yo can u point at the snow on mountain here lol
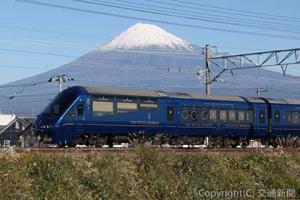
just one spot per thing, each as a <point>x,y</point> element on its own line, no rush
<point>146,36</point>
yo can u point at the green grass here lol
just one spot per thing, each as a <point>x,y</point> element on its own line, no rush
<point>145,174</point>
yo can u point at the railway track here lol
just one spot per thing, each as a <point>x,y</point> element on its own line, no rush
<point>160,150</point>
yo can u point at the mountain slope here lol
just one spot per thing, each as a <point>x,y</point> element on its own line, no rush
<point>144,65</point>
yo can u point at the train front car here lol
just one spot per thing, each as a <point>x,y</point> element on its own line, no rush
<point>47,125</point>
<point>99,116</point>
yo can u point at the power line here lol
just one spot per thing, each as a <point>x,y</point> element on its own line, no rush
<point>206,15</point>
<point>47,31</point>
<point>85,59</point>
<point>159,21</point>
<point>189,17</point>
<point>121,66</point>
<point>198,6</point>
<point>36,52</point>
<point>23,84</point>
<point>241,12</point>
<point>45,43</point>
<point>23,67</point>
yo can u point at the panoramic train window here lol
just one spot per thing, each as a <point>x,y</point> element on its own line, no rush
<point>231,116</point>
<point>147,104</point>
<point>204,115</point>
<point>223,115</point>
<point>262,117</point>
<point>103,107</point>
<point>277,117</point>
<point>72,112</point>
<point>213,115</point>
<point>126,105</point>
<point>60,103</point>
<point>194,115</point>
<point>185,114</point>
<point>241,115</point>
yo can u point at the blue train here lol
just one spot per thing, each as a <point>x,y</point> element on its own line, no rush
<point>98,116</point>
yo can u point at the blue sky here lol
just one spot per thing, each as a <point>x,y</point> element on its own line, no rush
<point>28,27</point>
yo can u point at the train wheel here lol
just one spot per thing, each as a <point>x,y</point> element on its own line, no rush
<point>244,141</point>
<point>110,141</point>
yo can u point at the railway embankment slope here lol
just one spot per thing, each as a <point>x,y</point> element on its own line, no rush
<point>147,174</point>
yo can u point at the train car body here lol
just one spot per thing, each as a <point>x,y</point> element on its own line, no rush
<point>92,111</point>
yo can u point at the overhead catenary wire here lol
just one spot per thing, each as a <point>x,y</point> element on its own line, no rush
<point>239,11</point>
<point>82,59</point>
<point>160,21</point>
<point>213,15</point>
<point>46,43</point>
<point>13,67</point>
<point>189,17</point>
<point>23,84</point>
<point>47,31</point>
<point>227,11</point>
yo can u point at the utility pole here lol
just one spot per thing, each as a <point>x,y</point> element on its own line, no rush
<point>60,79</point>
<point>207,69</point>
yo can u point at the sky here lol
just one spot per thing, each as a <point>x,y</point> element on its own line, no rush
<point>31,34</point>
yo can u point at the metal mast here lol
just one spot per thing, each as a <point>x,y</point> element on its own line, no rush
<point>207,69</point>
<point>282,58</point>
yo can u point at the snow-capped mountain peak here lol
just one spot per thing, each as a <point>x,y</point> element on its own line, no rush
<point>146,36</point>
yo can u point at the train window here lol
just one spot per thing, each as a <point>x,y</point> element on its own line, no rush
<point>60,103</point>
<point>223,115</point>
<point>213,115</point>
<point>147,104</point>
<point>204,115</point>
<point>123,107</point>
<point>170,113</point>
<point>194,115</point>
<point>71,112</point>
<point>231,116</point>
<point>295,118</point>
<point>241,115</point>
<point>277,117</point>
<point>262,117</point>
<point>249,116</point>
<point>80,109</point>
<point>185,114</point>
<point>126,105</point>
<point>102,108</point>
<point>56,109</point>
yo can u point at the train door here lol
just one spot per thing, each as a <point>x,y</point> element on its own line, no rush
<point>264,119</point>
<point>170,113</point>
<point>79,123</point>
<point>171,118</point>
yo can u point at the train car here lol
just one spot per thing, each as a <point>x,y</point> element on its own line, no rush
<point>98,116</point>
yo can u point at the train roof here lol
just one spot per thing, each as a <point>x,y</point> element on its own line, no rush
<point>157,94</point>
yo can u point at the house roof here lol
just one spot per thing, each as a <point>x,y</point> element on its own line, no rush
<point>6,119</point>
<point>25,123</point>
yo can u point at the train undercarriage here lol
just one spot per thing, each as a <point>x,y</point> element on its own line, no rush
<point>163,140</point>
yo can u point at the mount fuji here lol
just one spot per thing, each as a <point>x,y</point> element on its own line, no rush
<point>147,36</point>
<point>143,57</point>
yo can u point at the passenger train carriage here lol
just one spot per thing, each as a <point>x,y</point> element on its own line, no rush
<point>98,116</point>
